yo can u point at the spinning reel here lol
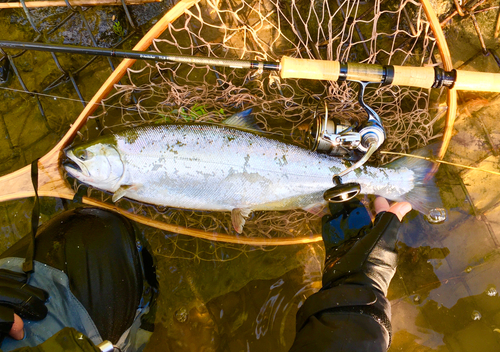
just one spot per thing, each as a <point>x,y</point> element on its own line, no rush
<point>333,138</point>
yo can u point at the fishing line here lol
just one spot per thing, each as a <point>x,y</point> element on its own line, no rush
<point>441,162</point>
<point>70,99</point>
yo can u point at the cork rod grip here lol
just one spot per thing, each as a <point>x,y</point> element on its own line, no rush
<point>309,69</point>
<point>330,70</point>
<point>419,77</point>
<point>477,81</point>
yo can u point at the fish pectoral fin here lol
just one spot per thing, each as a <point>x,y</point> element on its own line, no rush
<point>238,218</point>
<point>122,192</point>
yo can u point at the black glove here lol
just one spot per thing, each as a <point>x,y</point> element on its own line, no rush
<point>16,296</point>
<point>367,256</point>
<point>351,312</point>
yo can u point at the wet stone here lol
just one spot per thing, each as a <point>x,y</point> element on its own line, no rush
<point>482,186</point>
<point>181,315</point>
<point>492,292</point>
<point>476,315</point>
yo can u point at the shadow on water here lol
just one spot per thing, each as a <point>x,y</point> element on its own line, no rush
<point>247,303</point>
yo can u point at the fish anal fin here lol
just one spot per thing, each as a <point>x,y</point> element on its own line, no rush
<point>122,192</point>
<point>238,218</point>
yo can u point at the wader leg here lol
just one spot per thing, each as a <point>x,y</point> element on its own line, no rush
<point>344,318</point>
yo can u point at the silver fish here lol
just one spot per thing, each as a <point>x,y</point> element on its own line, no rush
<point>223,168</point>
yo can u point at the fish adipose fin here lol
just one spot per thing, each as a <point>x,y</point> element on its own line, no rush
<point>425,195</point>
<point>238,218</point>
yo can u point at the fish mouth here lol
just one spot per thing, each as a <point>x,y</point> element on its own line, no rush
<point>73,166</point>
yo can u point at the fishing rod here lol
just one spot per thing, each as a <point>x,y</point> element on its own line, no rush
<point>288,67</point>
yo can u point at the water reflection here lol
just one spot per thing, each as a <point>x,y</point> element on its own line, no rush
<point>261,316</point>
<point>444,295</point>
<point>417,266</point>
<point>248,303</point>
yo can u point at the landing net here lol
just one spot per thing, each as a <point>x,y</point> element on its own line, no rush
<point>380,32</point>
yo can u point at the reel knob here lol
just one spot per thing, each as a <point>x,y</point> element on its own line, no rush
<point>342,192</point>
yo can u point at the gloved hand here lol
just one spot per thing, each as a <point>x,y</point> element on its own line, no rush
<point>368,254</point>
<point>351,311</point>
<point>17,297</point>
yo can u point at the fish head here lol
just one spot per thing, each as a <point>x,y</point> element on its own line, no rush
<point>97,164</point>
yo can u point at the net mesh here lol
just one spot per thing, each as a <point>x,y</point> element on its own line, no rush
<point>384,33</point>
<point>381,32</point>
<point>42,92</point>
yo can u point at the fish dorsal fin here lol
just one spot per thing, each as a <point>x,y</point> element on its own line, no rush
<point>243,120</point>
<point>238,218</point>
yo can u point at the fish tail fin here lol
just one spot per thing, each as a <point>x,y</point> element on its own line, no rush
<point>425,194</point>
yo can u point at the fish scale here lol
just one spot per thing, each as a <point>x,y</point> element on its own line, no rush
<point>219,167</point>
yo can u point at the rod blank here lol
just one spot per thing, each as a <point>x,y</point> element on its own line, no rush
<point>422,77</point>
<point>61,3</point>
<point>139,55</point>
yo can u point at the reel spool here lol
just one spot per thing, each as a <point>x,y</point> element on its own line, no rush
<point>331,137</point>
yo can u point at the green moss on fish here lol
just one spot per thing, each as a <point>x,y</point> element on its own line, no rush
<point>131,135</point>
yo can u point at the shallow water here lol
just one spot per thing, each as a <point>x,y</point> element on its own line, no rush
<point>444,294</point>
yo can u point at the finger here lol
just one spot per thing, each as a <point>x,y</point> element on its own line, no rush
<point>400,209</point>
<point>17,330</point>
<point>380,204</point>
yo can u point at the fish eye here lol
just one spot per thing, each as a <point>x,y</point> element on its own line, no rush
<point>83,154</point>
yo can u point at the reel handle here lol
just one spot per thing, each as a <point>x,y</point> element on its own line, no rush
<point>341,192</point>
